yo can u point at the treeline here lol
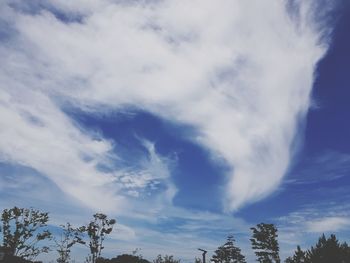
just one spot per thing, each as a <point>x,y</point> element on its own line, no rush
<point>264,242</point>
<point>24,231</point>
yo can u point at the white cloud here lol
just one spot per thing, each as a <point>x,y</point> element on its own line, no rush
<point>50,144</point>
<point>154,172</point>
<point>35,133</point>
<point>240,72</point>
<point>328,224</point>
<point>303,227</point>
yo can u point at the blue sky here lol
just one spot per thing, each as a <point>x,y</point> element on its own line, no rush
<point>184,130</point>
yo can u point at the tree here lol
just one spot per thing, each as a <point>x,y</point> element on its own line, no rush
<point>22,230</point>
<point>68,238</point>
<point>264,242</point>
<point>166,259</point>
<point>328,250</point>
<point>97,230</point>
<point>298,257</point>
<point>228,253</point>
<point>125,258</point>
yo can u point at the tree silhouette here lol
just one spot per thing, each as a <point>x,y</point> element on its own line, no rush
<point>68,238</point>
<point>166,259</point>
<point>22,230</point>
<point>228,253</point>
<point>125,258</point>
<point>328,250</point>
<point>97,230</point>
<point>264,242</point>
<point>298,257</point>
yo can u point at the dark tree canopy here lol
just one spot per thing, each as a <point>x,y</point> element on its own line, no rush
<point>22,230</point>
<point>13,259</point>
<point>125,258</point>
<point>298,257</point>
<point>265,244</point>
<point>328,250</point>
<point>228,253</point>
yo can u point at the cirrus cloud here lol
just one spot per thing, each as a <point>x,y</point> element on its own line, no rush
<point>239,72</point>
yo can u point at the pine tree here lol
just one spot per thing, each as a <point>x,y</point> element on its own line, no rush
<point>329,250</point>
<point>298,257</point>
<point>228,253</point>
<point>264,242</point>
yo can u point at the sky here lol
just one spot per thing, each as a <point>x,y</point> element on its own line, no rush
<point>186,121</point>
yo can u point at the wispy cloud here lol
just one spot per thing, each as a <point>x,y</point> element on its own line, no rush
<point>328,224</point>
<point>324,167</point>
<point>242,81</point>
<point>303,227</point>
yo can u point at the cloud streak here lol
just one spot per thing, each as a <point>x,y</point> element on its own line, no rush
<point>241,80</point>
<point>328,224</point>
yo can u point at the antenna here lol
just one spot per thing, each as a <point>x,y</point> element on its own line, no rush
<point>203,254</point>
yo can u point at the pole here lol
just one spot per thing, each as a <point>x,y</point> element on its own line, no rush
<point>203,254</point>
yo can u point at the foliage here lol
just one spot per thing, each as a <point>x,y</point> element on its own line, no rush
<point>228,253</point>
<point>97,230</point>
<point>298,257</point>
<point>264,242</point>
<point>328,250</point>
<point>15,259</point>
<point>68,238</point>
<point>22,230</point>
<point>125,258</point>
<point>166,259</point>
